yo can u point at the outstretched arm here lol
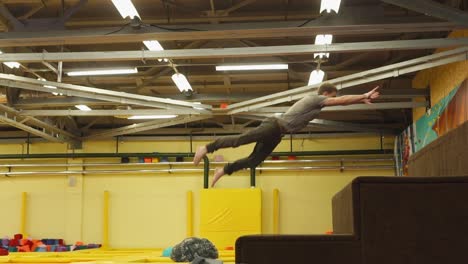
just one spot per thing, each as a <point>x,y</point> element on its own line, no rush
<point>352,99</point>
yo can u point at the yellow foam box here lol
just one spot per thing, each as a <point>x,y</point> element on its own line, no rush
<point>226,214</point>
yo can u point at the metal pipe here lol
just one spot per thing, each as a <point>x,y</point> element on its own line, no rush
<point>117,144</point>
<point>314,161</point>
<point>68,172</point>
<point>206,171</point>
<point>381,140</point>
<point>92,164</point>
<point>191,143</point>
<point>92,155</point>
<point>28,142</point>
<point>374,167</point>
<point>290,142</point>
<point>189,163</point>
<point>252,177</point>
<point>323,153</point>
<point>110,155</point>
<point>334,152</point>
<point>206,167</point>
<point>115,172</point>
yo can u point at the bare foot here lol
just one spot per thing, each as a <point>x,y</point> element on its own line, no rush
<point>199,154</point>
<point>219,172</point>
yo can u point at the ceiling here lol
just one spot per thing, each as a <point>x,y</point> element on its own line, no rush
<point>374,43</point>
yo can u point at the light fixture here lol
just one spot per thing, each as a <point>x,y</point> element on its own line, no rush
<point>103,72</point>
<point>48,86</point>
<point>126,8</point>
<point>12,64</point>
<point>316,76</point>
<point>153,45</point>
<point>330,5</point>
<point>323,40</point>
<point>181,82</point>
<point>252,67</point>
<point>152,116</point>
<point>83,107</point>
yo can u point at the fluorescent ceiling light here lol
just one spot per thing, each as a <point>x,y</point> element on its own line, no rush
<point>12,64</point>
<point>329,5</point>
<point>316,76</point>
<point>126,8</point>
<point>103,72</point>
<point>152,116</point>
<point>181,82</point>
<point>48,86</point>
<point>83,107</point>
<point>252,67</point>
<point>153,45</point>
<point>323,40</point>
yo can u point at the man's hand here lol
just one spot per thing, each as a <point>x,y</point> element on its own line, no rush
<point>372,94</point>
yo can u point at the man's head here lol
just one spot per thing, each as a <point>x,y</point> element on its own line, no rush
<point>327,89</point>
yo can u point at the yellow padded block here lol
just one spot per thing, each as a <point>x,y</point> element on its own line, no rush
<point>226,214</point>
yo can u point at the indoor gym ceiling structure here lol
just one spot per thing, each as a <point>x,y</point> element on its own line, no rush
<point>48,44</point>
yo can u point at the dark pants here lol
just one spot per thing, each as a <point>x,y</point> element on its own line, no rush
<point>267,136</point>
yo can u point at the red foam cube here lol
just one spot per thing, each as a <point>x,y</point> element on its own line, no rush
<point>3,252</point>
<point>13,243</point>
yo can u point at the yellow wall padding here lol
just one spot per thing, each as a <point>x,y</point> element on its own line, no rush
<point>226,214</point>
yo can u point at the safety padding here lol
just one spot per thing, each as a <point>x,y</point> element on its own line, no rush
<point>226,214</point>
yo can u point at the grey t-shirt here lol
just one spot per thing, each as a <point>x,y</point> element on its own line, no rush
<point>301,113</point>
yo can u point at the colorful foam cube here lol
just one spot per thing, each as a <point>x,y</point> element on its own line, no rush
<point>13,243</point>
<point>3,251</point>
<point>24,249</point>
<point>12,249</point>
